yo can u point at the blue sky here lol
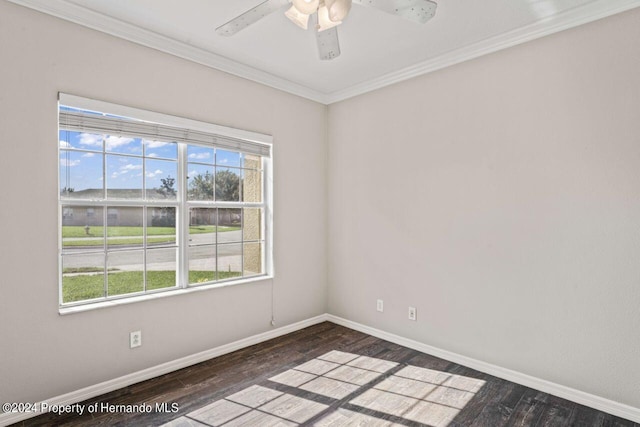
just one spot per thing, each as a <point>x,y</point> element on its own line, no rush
<point>81,161</point>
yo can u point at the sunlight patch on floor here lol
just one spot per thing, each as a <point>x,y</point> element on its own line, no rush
<point>374,392</point>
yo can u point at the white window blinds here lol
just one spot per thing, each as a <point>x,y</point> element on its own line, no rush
<point>83,121</point>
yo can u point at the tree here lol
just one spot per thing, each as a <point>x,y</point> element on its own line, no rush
<point>227,186</point>
<point>165,216</point>
<point>167,186</point>
<point>201,187</point>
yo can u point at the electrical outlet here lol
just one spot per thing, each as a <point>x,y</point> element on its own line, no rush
<point>135,339</point>
<point>413,313</point>
<point>380,305</point>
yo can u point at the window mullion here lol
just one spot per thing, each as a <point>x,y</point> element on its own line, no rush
<point>182,219</point>
<point>144,218</point>
<point>144,245</point>
<point>242,242</point>
<point>267,224</point>
<point>105,273</point>
<point>217,275</point>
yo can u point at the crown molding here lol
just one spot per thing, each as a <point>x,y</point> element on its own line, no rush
<point>562,21</point>
<point>106,24</point>
<point>556,23</point>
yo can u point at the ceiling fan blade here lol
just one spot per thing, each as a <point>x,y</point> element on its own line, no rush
<point>250,17</point>
<point>419,11</point>
<point>328,44</point>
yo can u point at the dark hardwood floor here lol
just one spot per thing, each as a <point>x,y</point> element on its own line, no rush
<point>328,375</point>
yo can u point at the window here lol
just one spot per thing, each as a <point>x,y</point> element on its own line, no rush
<point>154,203</point>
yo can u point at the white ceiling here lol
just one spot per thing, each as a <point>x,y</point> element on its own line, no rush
<point>378,49</point>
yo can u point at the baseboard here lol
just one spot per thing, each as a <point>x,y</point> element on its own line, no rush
<point>593,401</point>
<point>609,406</point>
<point>165,368</point>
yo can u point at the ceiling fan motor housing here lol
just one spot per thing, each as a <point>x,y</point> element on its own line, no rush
<point>306,6</point>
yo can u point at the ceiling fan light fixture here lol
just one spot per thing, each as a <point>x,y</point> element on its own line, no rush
<point>329,14</point>
<point>338,9</point>
<point>306,7</point>
<point>300,19</point>
<point>324,23</point>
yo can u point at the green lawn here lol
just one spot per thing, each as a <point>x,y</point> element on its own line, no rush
<point>98,231</point>
<point>199,229</point>
<point>121,241</point>
<point>91,286</point>
<point>130,235</point>
<point>85,270</point>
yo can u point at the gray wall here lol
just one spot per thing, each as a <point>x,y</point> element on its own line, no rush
<point>501,197</point>
<point>43,354</point>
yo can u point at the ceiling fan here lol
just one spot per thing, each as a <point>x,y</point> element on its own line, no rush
<point>326,15</point>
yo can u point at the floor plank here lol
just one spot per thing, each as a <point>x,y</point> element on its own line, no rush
<point>328,376</point>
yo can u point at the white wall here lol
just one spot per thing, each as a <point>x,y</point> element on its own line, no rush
<point>43,354</point>
<point>501,197</point>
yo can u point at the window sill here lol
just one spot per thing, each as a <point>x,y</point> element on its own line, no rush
<point>65,310</point>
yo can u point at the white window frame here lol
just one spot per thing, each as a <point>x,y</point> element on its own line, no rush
<point>237,137</point>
